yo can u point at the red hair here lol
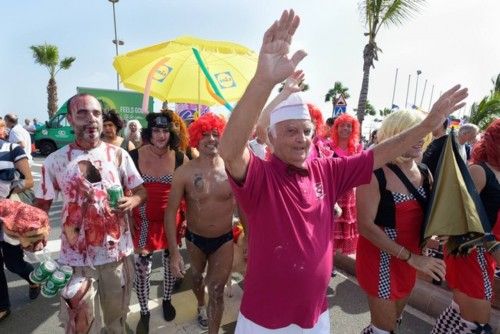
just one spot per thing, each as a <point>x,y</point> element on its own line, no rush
<point>353,142</point>
<point>183,134</point>
<point>317,119</point>
<point>206,123</point>
<point>488,148</point>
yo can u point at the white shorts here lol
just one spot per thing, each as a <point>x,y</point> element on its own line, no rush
<point>245,326</point>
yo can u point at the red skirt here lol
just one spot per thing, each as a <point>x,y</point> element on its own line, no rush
<point>345,233</point>
<point>382,275</point>
<point>149,231</point>
<point>471,274</point>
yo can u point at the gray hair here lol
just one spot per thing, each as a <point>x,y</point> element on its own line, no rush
<point>468,128</point>
<point>126,130</point>
<point>271,130</point>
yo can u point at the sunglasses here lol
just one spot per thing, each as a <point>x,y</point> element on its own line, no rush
<point>160,122</point>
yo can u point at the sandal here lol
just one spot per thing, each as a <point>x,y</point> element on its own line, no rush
<point>4,314</point>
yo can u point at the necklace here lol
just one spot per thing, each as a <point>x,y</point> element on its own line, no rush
<point>159,155</point>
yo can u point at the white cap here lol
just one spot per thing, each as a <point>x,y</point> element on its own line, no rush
<point>292,108</point>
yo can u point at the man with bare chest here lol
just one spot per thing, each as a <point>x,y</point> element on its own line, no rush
<point>204,185</point>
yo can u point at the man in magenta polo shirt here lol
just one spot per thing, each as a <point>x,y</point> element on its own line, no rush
<point>288,200</point>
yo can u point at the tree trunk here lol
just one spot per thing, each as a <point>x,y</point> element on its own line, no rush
<point>368,54</point>
<point>52,97</point>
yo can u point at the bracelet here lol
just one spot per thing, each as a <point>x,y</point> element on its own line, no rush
<point>409,257</point>
<point>399,253</point>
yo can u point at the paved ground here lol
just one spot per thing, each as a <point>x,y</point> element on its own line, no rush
<point>348,307</point>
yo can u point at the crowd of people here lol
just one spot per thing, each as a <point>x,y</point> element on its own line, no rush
<point>303,188</point>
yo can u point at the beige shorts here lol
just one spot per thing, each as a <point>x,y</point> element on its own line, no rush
<point>112,284</point>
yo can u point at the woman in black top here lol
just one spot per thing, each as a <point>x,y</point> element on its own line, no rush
<point>471,277</point>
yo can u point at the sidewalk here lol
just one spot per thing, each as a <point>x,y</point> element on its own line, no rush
<point>426,297</point>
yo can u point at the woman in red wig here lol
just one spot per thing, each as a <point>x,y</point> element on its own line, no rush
<point>321,143</point>
<point>345,142</point>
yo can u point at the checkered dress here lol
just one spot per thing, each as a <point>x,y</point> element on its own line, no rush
<point>381,274</point>
<point>149,228</point>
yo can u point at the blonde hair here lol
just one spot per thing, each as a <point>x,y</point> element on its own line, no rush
<point>398,122</point>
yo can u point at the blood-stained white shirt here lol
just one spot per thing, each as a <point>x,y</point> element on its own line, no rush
<point>92,233</point>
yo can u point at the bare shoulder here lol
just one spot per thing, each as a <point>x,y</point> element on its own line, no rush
<point>370,188</point>
<point>184,171</point>
<point>478,175</point>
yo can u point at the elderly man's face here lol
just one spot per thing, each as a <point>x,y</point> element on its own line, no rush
<point>468,137</point>
<point>292,141</point>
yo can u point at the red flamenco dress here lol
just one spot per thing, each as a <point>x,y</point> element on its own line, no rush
<point>149,230</point>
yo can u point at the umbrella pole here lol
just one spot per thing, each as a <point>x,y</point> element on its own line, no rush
<point>147,87</point>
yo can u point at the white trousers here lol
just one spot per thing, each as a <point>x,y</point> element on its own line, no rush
<point>246,326</point>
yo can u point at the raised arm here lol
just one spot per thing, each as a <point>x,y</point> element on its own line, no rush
<point>397,145</point>
<point>273,67</point>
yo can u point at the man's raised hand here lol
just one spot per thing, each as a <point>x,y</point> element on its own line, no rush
<point>274,65</point>
<point>449,102</point>
<point>293,84</point>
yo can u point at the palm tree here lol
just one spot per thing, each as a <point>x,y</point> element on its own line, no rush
<point>385,111</point>
<point>496,86</point>
<point>377,13</point>
<point>335,92</point>
<point>488,109</point>
<point>370,109</point>
<point>484,112</point>
<point>48,55</point>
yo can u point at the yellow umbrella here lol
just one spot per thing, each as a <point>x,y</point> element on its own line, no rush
<point>189,70</point>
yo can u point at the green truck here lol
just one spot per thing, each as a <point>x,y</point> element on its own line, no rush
<point>57,132</point>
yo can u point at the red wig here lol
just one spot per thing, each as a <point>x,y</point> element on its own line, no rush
<point>488,148</point>
<point>353,142</point>
<point>183,133</point>
<point>206,123</point>
<point>317,119</point>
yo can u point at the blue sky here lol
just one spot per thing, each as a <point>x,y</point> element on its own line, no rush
<point>450,41</point>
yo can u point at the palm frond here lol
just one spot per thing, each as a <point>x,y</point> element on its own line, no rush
<point>396,12</point>
<point>483,113</point>
<point>496,85</point>
<point>45,54</point>
<point>66,63</point>
<point>338,89</point>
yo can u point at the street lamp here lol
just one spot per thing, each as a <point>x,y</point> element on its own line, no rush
<point>416,88</point>
<point>116,41</point>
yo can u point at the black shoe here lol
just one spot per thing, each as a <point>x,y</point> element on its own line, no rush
<point>34,291</point>
<point>143,325</point>
<point>168,310</point>
<point>4,314</point>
